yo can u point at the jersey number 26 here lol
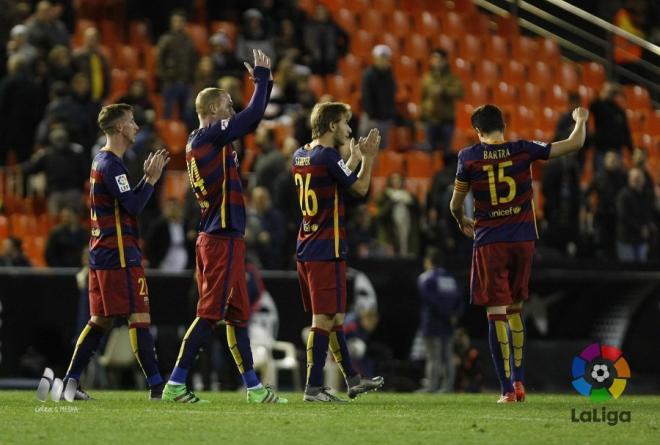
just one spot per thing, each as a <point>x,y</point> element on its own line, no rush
<point>308,202</point>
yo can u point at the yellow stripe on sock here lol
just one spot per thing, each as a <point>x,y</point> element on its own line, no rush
<point>233,347</point>
<point>336,352</point>
<point>503,339</point>
<point>517,337</point>
<point>185,339</point>
<point>310,355</point>
<point>81,339</point>
<point>132,336</point>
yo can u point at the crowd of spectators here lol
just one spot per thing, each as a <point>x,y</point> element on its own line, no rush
<point>51,91</point>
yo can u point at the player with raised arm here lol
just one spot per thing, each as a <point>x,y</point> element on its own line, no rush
<point>220,248</point>
<point>504,231</point>
<point>322,175</point>
<point>117,285</point>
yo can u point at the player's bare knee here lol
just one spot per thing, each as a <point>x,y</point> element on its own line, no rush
<point>496,310</point>
<point>103,322</point>
<point>323,321</point>
<point>339,319</point>
<point>142,317</point>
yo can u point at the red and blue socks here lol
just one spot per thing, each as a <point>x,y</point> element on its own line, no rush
<point>317,351</point>
<point>339,351</point>
<point>88,341</point>
<point>197,335</point>
<point>517,329</point>
<point>498,338</point>
<point>239,345</point>
<point>143,347</point>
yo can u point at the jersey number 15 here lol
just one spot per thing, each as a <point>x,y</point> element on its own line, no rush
<point>309,204</point>
<point>501,177</point>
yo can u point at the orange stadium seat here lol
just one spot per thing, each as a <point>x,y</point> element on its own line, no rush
<point>507,27</point>
<point>427,24</point>
<point>317,85</point>
<point>111,34</point>
<point>593,74</point>
<point>174,134</point>
<point>358,6</point>
<point>418,164</point>
<point>470,48</point>
<point>504,94</point>
<point>385,6</point>
<point>388,162</point>
<point>392,41</point>
<point>524,49</point>
<point>406,69</point>
<point>400,23</point>
<point>497,49</point>
<point>339,87</point>
<point>587,95</point>
<point>4,227</point>
<point>478,24</point>
<point>401,138</point>
<point>463,6</point>
<point>199,36</point>
<point>351,67</point>
<point>463,114</point>
<point>362,42</point>
<point>443,41</point>
<point>476,93</point>
<point>345,18</point>
<point>653,123</point>
<point>546,119</point>
<point>119,82</point>
<point>549,51</point>
<point>514,72</point>
<point>636,120</point>
<point>138,34</point>
<point>540,73</point>
<point>567,76</point>
<point>416,47</point>
<point>486,72</point>
<point>452,24</point>
<point>522,121</point>
<point>556,97</point>
<point>148,77</point>
<point>463,69</point>
<point>637,97</point>
<point>372,21</point>
<point>127,58</point>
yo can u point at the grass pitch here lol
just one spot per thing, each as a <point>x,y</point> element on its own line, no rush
<point>380,418</point>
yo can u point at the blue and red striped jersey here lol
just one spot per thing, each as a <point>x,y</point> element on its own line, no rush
<point>114,208</point>
<point>500,177</point>
<point>213,166</point>
<point>321,177</point>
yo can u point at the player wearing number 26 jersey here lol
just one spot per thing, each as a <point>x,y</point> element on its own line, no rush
<point>504,229</point>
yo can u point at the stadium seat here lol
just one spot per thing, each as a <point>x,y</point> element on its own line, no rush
<point>504,94</point>
<point>119,82</point>
<point>513,72</point>
<point>445,42</point>
<point>4,227</point>
<point>317,85</point>
<point>127,58</point>
<point>546,119</point>
<point>400,23</point>
<point>549,51</point>
<point>497,49</point>
<point>522,121</point>
<point>476,93</point>
<point>372,21</point>
<point>406,69</point>
<point>470,48</point>
<point>199,36</point>
<point>418,164</point>
<point>339,87</point>
<point>486,72</point>
<point>567,76</point>
<point>463,115</point>
<point>507,27</point>
<point>416,47</point>
<point>637,97</point>
<point>358,6</point>
<point>351,67</point>
<point>540,74</point>
<point>392,41</point>
<point>427,24</point>
<point>463,69</point>
<point>111,34</point>
<point>148,77</point>
<point>385,6</point>
<point>556,97</point>
<point>174,134</point>
<point>653,123</point>
<point>593,75</point>
<point>362,42</point>
<point>636,119</point>
<point>345,18</point>
<point>477,24</point>
<point>401,138</point>
<point>138,34</point>
<point>463,6</point>
<point>524,50</point>
<point>452,25</point>
<point>587,95</point>
<point>388,162</point>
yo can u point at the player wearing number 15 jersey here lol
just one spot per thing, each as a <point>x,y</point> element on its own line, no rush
<point>322,175</point>
<point>220,247</point>
<point>504,230</point>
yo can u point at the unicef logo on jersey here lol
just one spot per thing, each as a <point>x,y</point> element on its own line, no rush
<point>511,211</point>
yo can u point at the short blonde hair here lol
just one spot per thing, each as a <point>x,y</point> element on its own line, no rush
<point>326,113</point>
<point>110,114</point>
<point>205,98</point>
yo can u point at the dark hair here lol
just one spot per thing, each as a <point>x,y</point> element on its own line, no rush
<point>440,51</point>
<point>435,256</point>
<point>110,114</point>
<point>487,118</point>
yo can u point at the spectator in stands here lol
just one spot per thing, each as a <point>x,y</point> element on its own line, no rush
<point>611,131</point>
<point>635,228</point>
<point>287,42</point>
<point>81,95</point>
<point>63,110</point>
<point>45,30</point>
<point>222,54</point>
<point>565,124</point>
<point>441,307</point>
<point>440,90</point>
<point>638,160</point>
<point>398,217</point>
<point>325,42</point>
<point>469,376</point>
<point>378,95</point>
<point>254,35</point>
<point>165,243</point>
<point>90,61</point>
<point>66,167</point>
<point>270,162</point>
<point>265,229</point>
<point>66,240</point>
<point>12,253</point>
<point>362,234</point>
<point>60,65</point>
<point>204,77</point>
<point>607,184</point>
<point>359,325</point>
<point>20,108</point>
<point>630,17</point>
<point>138,97</point>
<point>283,189</point>
<point>19,44</point>
<point>177,58</point>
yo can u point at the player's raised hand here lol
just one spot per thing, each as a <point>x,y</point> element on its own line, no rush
<point>467,227</point>
<point>371,143</point>
<point>154,165</point>
<point>260,59</point>
<point>355,148</point>
<point>580,114</point>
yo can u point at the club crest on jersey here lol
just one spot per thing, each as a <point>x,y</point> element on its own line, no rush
<point>224,123</point>
<point>122,183</point>
<point>344,167</point>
